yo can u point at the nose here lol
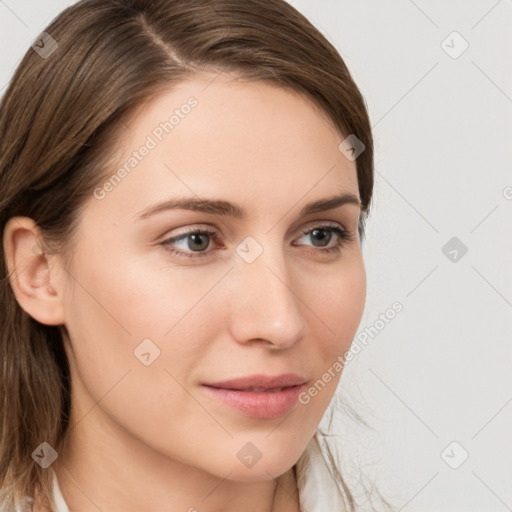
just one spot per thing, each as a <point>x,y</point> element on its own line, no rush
<point>265,307</point>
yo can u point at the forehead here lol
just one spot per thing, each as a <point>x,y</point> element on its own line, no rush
<point>218,135</point>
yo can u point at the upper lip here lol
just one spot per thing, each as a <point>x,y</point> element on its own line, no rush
<point>260,381</point>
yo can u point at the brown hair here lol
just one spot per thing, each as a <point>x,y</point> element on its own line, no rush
<point>58,121</point>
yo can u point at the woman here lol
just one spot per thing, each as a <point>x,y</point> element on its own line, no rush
<point>184,190</point>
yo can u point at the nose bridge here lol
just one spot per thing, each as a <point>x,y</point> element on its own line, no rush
<point>265,305</point>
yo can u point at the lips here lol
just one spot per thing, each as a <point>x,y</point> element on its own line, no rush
<point>258,396</point>
<point>262,390</point>
<point>258,383</point>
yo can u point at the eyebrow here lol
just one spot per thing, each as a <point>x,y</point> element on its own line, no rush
<point>220,207</point>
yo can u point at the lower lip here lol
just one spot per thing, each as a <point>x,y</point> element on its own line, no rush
<point>261,405</point>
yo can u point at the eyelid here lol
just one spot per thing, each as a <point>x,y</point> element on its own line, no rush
<point>322,223</point>
<point>190,228</point>
<point>212,232</point>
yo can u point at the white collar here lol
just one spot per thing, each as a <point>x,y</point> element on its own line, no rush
<point>57,496</point>
<point>318,491</point>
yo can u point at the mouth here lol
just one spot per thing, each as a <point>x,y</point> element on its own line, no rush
<point>258,396</point>
<point>260,390</point>
<point>260,382</point>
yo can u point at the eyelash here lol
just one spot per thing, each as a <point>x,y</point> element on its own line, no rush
<point>343,237</point>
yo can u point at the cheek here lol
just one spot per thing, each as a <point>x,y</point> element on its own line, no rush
<point>338,301</point>
<point>334,309</point>
<point>135,299</point>
<point>109,315</point>
<point>115,307</point>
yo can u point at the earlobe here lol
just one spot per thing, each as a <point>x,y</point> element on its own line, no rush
<point>34,283</point>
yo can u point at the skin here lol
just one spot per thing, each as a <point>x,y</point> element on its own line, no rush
<point>148,438</point>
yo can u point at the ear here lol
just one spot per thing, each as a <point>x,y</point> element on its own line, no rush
<point>37,288</point>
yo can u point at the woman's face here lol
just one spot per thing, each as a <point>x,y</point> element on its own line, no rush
<point>155,310</point>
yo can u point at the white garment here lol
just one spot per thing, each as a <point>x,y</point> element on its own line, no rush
<point>57,496</point>
<point>317,490</point>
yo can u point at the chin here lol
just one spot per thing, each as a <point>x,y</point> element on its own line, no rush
<point>252,464</point>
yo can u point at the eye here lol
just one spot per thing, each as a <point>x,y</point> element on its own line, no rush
<point>322,236</point>
<point>197,241</point>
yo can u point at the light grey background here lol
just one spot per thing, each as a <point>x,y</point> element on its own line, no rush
<point>440,371</point>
